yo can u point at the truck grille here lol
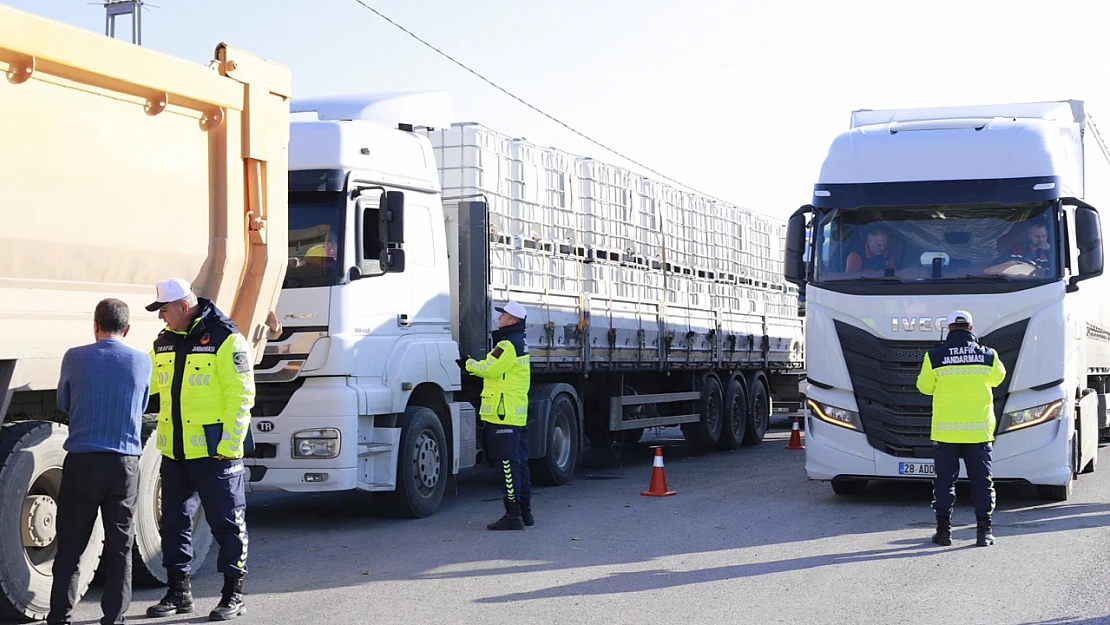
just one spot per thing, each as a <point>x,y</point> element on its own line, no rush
<point>896,417</point>
<point>270,398</point>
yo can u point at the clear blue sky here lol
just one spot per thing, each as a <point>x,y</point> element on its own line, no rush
<point>739,98</point>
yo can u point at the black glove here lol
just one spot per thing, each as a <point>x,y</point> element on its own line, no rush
<point>461,362</point>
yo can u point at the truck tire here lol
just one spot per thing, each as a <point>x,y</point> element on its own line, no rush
<point>735,422</point>
<point>557,467</point>
<point>31,457</point>
<point>146,555</point>
<point>705,433</point>
<point>849,487</point>
<point>422,468</point>
<point>759,412</point>
<point>1055,492</point>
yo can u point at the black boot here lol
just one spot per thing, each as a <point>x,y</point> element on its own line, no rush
<point>231,601</point>
<point>526,512</point>
<point>511,520</point>
<point>178,599</point>
<point>943,537</point>
<point>983,535</point>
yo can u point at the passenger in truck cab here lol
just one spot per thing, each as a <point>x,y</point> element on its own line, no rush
<point>875,255</point>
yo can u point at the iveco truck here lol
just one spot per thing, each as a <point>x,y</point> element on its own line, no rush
<point>990,209</point>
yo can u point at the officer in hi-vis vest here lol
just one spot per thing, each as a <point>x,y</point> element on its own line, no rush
<point>960,375</point>
<point>507,374</point>
<point>202,372</point>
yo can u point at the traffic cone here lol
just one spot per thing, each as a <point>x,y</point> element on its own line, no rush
<point>795,437</point>
<point>658,487</point>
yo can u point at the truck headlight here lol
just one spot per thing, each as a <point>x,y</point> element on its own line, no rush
<point>836,416</point>
<point>1031,416</point>
<point>321,443</point>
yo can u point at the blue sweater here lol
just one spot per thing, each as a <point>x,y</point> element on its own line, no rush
<point>104,389</point>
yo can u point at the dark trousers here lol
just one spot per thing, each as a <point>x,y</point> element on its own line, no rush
<point>977,459</point>
<point>508,448</point>
<point>218,486</point>
<point>95,482</point>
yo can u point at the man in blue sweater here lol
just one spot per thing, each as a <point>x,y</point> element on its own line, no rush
<point>104,388</point>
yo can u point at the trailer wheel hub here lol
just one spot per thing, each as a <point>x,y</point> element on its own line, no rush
<point>40,521</point>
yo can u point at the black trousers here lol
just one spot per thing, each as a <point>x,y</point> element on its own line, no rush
<point>218,486</point>
<point>508,448</point>
<point>95,482</point>
<point>977,459</point>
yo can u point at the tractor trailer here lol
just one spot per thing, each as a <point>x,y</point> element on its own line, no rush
<point>991,209</point>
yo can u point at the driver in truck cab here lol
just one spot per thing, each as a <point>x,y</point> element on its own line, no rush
<point>1035,249</point>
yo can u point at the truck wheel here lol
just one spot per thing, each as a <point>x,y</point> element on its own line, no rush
<point>557,467</point>
<point>849,487</point>
<point>421,465</point>
<point>705,433</point>
<point>735,416</point>
<point>146,556</point>
<point>31,457</point>
<point>1055,492</point>
<point>759,412</point>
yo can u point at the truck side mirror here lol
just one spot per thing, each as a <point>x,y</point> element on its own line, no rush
<point>391,217</point>
<point>795,265</point>
<point>1088,239</point>
<point>392,260</point>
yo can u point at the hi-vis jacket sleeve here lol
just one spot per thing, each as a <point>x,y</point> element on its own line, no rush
<point>233,365</point>
<point>927,379</point>
<point>497,362</point>
<point>998,371</point>
<point>155,387</point>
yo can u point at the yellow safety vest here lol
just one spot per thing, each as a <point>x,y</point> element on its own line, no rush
<point>206,388</point>
<point>507,378</point>
<point>960,375</point>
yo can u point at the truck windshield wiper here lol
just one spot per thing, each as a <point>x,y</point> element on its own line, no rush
<point>998,277</point>
<point>871,279</point>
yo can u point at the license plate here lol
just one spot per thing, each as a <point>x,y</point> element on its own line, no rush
<point>917,468</point>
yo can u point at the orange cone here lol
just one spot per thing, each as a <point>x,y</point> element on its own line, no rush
<point>795,437</point>
<point>658,487</point>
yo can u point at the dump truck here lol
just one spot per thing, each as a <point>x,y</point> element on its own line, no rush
<point>121,167</point>
<point>648,305</point>
<point>993,209</point>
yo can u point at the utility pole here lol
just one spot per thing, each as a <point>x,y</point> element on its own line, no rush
<point>121,8</point>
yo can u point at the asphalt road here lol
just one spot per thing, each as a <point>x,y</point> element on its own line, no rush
<point>747,539</point>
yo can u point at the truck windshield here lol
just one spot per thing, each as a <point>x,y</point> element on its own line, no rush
<point>315,239</point>
<point>938,244</point>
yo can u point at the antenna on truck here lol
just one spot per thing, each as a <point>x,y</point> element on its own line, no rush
<point>123,8</point>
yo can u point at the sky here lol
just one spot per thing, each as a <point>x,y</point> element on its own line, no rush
<point>738,99</point>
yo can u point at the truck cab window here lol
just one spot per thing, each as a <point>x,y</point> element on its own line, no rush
<point>940,243</point>
<point>371,242</point>
<point>315,239</point>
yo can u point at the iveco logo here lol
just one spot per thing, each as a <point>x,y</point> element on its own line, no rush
<point>919,324</point>
<point>300,315</point>
<point>265,426</point>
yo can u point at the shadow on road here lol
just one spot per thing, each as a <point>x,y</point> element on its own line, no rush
<point>748,498</point>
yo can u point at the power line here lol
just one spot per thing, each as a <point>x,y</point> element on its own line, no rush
<point>530,105</point>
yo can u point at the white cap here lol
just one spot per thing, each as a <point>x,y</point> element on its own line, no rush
<point>959,316</point>
<point>513,308</point>
<point>170,291</point>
